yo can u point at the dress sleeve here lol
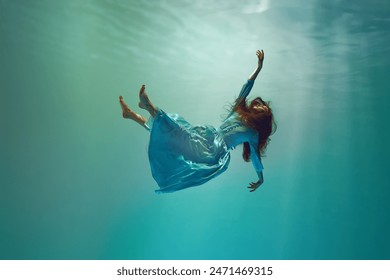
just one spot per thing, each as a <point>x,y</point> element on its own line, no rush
<point>246,89</point>
<point>256,160</point>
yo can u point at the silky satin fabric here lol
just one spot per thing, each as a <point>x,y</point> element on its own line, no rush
<point>182,155</point>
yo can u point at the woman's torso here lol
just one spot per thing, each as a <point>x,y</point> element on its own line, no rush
<point>235,132</point>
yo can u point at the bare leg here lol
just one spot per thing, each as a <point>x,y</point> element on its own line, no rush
<point>127,113</point>
<point>145,103</point>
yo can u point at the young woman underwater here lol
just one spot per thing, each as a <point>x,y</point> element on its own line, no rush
<point>182,155</point>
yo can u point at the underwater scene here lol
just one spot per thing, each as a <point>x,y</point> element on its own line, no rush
<point>75,179</point>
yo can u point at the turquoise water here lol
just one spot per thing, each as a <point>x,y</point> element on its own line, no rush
<point>75,179</point>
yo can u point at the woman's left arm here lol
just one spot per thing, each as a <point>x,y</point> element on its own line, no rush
<point>254,185</point>
<point>258,165</point>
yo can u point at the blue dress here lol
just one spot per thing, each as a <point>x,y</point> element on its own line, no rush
<point>182,155</point>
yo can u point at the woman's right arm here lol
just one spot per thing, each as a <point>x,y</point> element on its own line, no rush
<point>260,57</point>
<point>246,89</point>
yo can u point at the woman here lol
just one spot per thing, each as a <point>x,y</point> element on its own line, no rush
<point>182,155</point>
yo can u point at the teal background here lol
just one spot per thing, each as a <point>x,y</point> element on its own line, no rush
<point>75,180</point>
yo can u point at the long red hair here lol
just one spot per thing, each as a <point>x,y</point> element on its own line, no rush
<point>260,120</point>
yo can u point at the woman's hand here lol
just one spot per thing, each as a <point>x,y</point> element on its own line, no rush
<point>253,186</point>
<point>260,56</point>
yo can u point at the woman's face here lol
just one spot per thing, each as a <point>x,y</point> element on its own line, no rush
<point>259,105</point>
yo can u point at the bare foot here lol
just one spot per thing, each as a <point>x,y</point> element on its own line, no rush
<point>126,112</point>
<point>141,93</point>
<point>144,101</point>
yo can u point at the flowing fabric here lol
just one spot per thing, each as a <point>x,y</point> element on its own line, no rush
<point>182,155</point>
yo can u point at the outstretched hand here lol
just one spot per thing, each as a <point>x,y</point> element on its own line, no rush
<point>260,56</point>
<point>253,186</point>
